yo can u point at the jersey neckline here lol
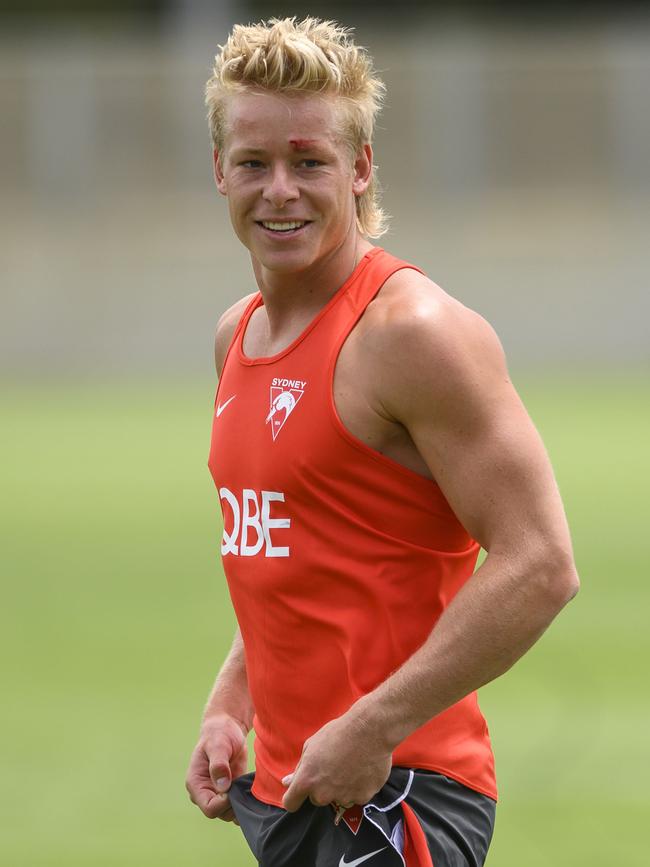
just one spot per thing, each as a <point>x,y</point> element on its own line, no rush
<point>258,302</point>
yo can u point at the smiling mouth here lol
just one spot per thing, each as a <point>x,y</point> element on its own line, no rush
<point>283,227</point>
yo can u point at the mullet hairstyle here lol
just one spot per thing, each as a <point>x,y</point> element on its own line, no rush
<point>309,56</point>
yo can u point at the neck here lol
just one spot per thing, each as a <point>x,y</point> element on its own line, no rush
<point>288,296</point>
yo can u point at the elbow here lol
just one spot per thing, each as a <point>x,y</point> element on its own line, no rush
<point>568,586</point>
<point>559,579</point>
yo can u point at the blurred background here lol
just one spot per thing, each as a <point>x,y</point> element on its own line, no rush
<point>514,156</point>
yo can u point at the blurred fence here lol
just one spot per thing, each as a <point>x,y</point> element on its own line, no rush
<point>515,165</point>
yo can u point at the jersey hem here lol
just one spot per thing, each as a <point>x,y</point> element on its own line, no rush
<point>458,778</point>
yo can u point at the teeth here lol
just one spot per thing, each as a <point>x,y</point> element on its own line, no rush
<point>283,227</point>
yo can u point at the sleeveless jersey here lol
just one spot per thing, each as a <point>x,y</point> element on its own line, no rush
<point>339,560</point>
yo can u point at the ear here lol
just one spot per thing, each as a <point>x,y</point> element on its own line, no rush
<point>219,178</point>
<point>362,170</point>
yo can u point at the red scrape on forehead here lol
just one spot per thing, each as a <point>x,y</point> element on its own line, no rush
<point>302,144</point>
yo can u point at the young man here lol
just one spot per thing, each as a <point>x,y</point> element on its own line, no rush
<point>366,442</point>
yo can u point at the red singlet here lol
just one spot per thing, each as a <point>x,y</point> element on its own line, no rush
<point>339,560</point>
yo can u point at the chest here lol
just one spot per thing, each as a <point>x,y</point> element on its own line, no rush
<point>355,387</point>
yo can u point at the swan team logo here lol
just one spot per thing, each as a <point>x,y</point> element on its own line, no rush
<point>285,394</point>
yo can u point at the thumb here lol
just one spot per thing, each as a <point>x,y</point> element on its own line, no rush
<point>220,775</point>
<point>295,795</point>
<point>223,783</point>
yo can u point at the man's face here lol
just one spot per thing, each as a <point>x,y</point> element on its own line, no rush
<point>290,180</point>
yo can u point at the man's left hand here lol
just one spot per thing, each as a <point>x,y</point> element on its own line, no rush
<point>342,763</point>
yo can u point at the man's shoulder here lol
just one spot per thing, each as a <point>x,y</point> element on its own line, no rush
<point>419,341</point>
<point>412,313</point>
<point>226,327</point>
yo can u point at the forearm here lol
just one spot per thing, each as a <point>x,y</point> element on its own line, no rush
<point>494,619</point>
<point>230,694</point>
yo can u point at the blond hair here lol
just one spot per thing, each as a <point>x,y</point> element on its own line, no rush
<point>308,56</point>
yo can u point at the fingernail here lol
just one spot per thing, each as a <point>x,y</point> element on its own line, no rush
<point>222,784</point>
<point>286,781</point>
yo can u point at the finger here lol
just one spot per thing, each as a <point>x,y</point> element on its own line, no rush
<point>210,803</point>
<point>318,802</point>
<point>294,797</point>
<point>199,788</point>
<point>202,791</point>
<point>200,774</point>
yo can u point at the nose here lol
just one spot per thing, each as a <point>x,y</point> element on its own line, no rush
<point>280,186</point>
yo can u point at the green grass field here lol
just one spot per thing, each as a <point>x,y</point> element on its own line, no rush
<point>115,619</point>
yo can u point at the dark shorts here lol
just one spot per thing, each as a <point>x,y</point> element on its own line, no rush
<point>418,819</point>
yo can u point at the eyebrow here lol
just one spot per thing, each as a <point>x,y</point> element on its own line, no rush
<point>245,150</point>
<point>299,145</point>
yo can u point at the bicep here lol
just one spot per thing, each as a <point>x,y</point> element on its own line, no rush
<point>493,469</point>
<point>473,431</point>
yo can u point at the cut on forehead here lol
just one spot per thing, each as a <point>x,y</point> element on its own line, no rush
<point>303,144</point>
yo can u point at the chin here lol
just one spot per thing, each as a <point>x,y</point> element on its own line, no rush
<point>285,261</point>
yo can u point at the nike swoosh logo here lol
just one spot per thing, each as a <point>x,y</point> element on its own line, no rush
<point>222,406</point>
<point>344,863</point>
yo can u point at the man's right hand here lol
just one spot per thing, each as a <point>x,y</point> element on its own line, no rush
<point>219,757</point>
